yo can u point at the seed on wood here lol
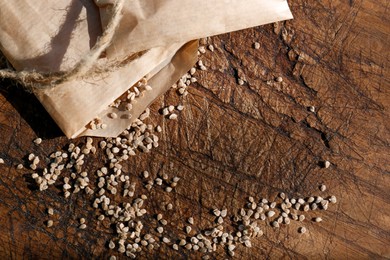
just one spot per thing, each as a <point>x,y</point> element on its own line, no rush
<point>248,243</point>
<point>179,107</point>
<point>82,226</point>
<point>121,249</point>
<point>188,229</point>
<point>160,230</point>
<point>38,140</point>
<point>322,187</point>
<point>240,82</point>
<point>312,109</point>
<point>158,181</point>
<point>191,220</point>
<point>49,223</point>
<point>270,214</point>
<point>202,49</point>
<point>301,218</point>
<point>302,230</point>
<point>168,189</point>
<point>310,199</point>
<point>279,79</point>
<point>82,220</point>
<point>217,212</point>
<point>333,199</point>
<point>159,217</point>
<point>192,71</point>
<point>254,205</point>
<point>319,199</point>
<point>166,240</point>
<point>182,242</point>
<point>31,156</point>
<point>146,174</point>
<point>165,111</point>
<point>272,205</point>
<point>159,129</point>
<point>325,204</point>
<point>169,206</point>
<point>275,224</point>
<point>175,247</point>
<point>224,213</point>
<point>19,166</point>
<point>317,219</point>
<point>220,220</point>
<point>182,91</point>
<point>306,207</point>
<point>163,222</point>
<point>50,211</point>
<point>172,116</point>
<point>1,160</point>
<point>326,164</point>
<point>111,245</point>
<point>256,45</point>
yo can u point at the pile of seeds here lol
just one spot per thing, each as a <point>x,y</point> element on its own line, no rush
<point>125,103</point>
<point>114,194</point>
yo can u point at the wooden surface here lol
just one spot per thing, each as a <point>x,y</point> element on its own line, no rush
<point>235,141</point>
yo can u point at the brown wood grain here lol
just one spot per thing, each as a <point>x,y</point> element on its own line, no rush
<point>233,141</point>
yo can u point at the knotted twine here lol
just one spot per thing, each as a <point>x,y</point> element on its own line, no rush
<point>33,80</point>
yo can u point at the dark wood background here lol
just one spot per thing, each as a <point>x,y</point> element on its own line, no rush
<point>233,141</point>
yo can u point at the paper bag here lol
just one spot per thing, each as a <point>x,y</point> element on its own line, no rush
<point>152,23</point>
<point>53,35</point>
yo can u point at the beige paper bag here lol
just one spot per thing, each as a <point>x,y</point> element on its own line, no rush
<point>52,36</point>
<point>151,23</point>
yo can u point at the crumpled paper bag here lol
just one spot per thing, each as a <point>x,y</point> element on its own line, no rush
<point>51,36</point>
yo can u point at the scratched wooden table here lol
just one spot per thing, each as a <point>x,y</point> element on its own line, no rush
<point>234,141</point>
